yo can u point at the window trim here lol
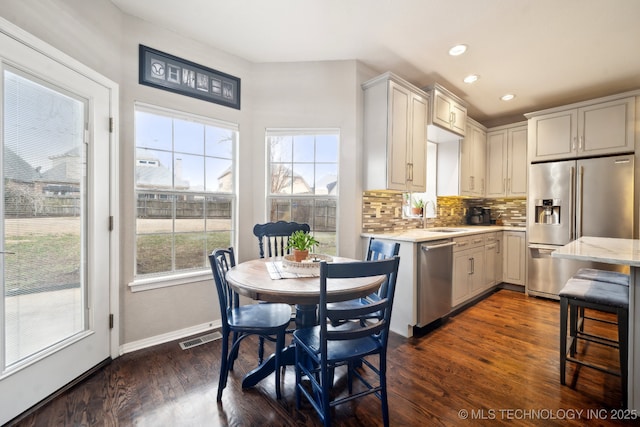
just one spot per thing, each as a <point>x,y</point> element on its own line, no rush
<point>187,276</point>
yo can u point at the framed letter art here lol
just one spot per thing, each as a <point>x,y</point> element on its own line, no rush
<point>168,72</point>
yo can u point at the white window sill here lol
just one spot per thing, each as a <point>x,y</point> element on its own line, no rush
<point>149,283</point>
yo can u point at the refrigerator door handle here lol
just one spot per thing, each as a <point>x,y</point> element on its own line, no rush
<point>572,201</point>
<point>579,202</point>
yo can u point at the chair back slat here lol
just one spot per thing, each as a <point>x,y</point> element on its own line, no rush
<point>378,325</point>
<point>274,237</point>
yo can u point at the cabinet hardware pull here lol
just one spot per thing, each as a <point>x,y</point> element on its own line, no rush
<point>581,143</point>
<point>573,145</point>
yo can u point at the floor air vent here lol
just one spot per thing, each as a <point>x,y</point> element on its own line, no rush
<point>200,340</point>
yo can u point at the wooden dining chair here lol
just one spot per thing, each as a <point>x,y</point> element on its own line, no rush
<point>377,249</point>
<point>275,236</point>
<point>323,348</point>
<point>269,320</point>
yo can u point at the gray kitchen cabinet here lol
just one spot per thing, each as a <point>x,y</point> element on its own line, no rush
<point>514,256</point>
<point>468,268</point>
<point>447,110</point>
<point>493,275</point>
<point>593,128</point>
<point>395,135</point>
<point>473,160</point>
<point>506,172</point>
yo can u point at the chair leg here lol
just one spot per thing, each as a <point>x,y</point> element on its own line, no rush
<point>383,388</point>
<point>234,351</point>
<point>261,351</point>
<point>623,348</point>
<point>324,395</point>
<point>573,328</point>
<point>298,353</point>
<point>279,347</point>
<point>563,338</point>
<point>224,366</point>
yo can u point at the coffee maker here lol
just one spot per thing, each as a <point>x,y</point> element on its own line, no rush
<point>475,216</point>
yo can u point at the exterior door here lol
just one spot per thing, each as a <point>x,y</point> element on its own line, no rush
<point>54,234</point>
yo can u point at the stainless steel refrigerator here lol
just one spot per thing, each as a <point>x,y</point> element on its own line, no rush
<point>570,199</point>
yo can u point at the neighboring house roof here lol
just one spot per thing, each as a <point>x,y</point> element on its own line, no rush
<point>58,173</point>
<point>17,169</point>
<point>327,184</point>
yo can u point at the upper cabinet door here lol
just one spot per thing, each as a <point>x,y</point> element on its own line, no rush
<point>497,163</point>
<point>442,107</point>
<point>554,136</point>
<point>606,128</point>
<point>418,146</point>
<point>517,162</point>
<point>592,130</point>
<point>397,149</point>
<point>459,118</point>
<point>447,110</point>
<point>395,135</point>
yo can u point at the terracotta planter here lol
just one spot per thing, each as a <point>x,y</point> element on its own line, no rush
<point>299,255</point>
<point>416,211</point>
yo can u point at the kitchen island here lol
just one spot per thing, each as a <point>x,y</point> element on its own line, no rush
<point>620,252</point>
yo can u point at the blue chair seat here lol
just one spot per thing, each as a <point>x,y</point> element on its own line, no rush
<point>260,318</point>
<point>346,350</point>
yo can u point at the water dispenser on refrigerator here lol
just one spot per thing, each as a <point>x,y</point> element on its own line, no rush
<point>547,211</point>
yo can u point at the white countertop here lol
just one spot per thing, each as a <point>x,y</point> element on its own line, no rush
<point>602,249</point>
<point>417,235</point>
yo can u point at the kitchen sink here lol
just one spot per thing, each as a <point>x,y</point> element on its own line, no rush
<point>447,230</point>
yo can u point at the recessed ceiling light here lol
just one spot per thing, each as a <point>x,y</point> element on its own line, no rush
<point>471,78</point>
<point>507,97</point>
<point>458,49</point>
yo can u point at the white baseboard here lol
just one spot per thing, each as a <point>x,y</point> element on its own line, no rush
<point>169,336</point>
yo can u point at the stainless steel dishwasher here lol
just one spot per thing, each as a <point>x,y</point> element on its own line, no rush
<point>434,280</point>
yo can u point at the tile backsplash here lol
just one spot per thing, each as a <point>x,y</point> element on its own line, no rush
<point>382,212</point>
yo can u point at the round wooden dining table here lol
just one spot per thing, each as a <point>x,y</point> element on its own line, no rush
<point>252,279</point>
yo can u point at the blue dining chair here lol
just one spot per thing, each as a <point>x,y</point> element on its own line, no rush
<point>377,250</point>
<point>323,348</point>
<point>267,320</point>
<point>274,236</point>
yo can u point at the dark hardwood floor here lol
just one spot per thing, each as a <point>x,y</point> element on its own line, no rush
<point>495,363</point>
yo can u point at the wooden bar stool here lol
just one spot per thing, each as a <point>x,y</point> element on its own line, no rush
<point>616,277</point>
<point>607,297</point>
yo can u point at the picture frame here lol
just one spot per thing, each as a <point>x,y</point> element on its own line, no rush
<point>168,72</point>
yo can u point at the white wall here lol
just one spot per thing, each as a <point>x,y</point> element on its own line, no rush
<point>297,95</point>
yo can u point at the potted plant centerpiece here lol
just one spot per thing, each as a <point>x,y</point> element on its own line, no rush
<point>301,241</point>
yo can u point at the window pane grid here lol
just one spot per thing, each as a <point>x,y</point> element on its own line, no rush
<point>184,192</point>
<point>303,181</point>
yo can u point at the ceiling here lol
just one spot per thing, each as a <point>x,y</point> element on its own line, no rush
<point>546,52</point>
